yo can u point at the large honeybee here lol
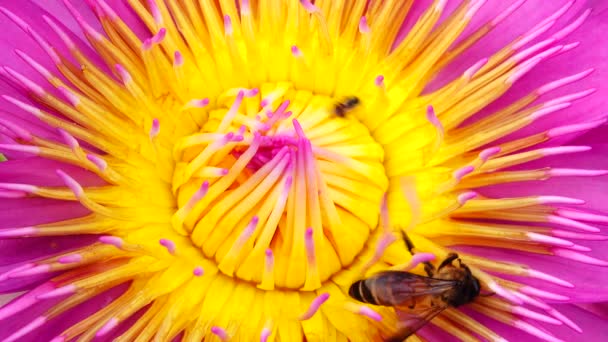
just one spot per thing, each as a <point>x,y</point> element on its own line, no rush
<point>415,298</point>
<point>346,105</point>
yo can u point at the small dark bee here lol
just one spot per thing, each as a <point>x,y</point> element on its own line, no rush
<point>346,105</point>
<point>418,299</point>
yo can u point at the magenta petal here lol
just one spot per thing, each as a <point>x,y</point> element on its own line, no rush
<point>41,172</point>
<point>598,309</point>
<point>15,213</point>
<point>17,251</point>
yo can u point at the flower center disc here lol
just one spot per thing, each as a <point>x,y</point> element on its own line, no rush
<point>277,188</point>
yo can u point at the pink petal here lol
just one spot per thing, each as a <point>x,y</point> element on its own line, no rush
<point>41,172</point>
<point>18,251</point>
<point>16,213</point>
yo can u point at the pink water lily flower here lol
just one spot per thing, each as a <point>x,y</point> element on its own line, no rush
<point>225,170</point>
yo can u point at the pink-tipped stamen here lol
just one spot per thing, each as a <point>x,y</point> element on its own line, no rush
<point>459,174</point>
<point>70,183</point>
<point>563,81</point>
<point>488,153</point>
<point>369,313</point>
<point>99,162</point>
<point>582,258</point>
<point>580,215</point>
<point>532,291</point>
<point>572,26</point>
<point>314,306</point>
<point>308,5</point>
<point>471,71</point>
<point>363,26</point>
<point>155,11</point>
<point>504,293</point>
<point>220,333</point>
<point>576,173</point>
<point>6,274</point>
<point>60,338</point>
<point>296,52</point>
<point>506,13</point>
<point>419,258</point>
<point>578,236</point>
<point>559,200</point>
<point>379,81</point>
<point>125,76</point>
<point>26,82</point>
<point>567,321</point>
<point>228,30</point>
<point>198,103</point>
<point>178,59</point>
<point>521,311</point>
<point>31,326</point>
<point>109,326</point>
<point>169,245</point>
<point>36,270</point>
<point>544,111</point>
<point>35,150</point>
<point>570,98</point>
<point>549,240</point>
<point>17,232</point>
<point>265,334</point>
<point>467,196</point>
<point>69,95</point>
<point>574,128</point>
<point>547,277</point>
<point>159,36</point>
<point>58,292</point>
<point>20,132</point>
<point>155,129</point>
<point>198,271</point>
<point>112,240</point>
<point>68,139</point>
<point>70,259</point>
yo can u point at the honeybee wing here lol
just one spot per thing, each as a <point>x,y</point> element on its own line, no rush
<point>416,299</point>
<point>398,288</point>
<point>412,319</point>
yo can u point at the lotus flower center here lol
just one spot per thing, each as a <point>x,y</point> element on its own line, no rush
<point>277,188</point>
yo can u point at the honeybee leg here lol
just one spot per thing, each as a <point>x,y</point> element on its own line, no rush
<point>448,260</point>
<point>428,267</point>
